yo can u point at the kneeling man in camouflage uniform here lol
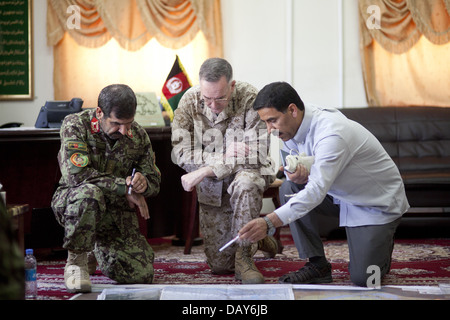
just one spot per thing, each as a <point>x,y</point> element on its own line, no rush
<point>223,145</point>
<point>98,195</point>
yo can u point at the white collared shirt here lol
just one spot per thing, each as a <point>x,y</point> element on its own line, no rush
<point>351,166</point>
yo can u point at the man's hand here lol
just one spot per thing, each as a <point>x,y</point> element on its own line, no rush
<point>138,200</point>
<point>191,179</point>
<point>139,183</point>
<point>256,229</point>
<point>300,176</point>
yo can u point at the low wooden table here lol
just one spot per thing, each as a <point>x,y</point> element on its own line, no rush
<point>17,212</point>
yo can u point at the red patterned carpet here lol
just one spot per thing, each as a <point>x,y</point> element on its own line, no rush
<point>415,262</point>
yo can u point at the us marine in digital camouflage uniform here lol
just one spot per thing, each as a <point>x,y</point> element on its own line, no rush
<point>99,149</point>
<point>229,178</point>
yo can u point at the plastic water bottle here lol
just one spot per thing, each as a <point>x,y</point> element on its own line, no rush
<point>30,275</point>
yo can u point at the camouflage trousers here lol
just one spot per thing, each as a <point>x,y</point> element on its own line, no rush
<point>241,202</point>
<point>106,226</point>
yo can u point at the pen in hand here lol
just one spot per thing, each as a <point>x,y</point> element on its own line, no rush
<point>131,182</point>
<point>229,243</point>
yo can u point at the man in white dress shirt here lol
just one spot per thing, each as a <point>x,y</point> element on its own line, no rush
<point>352,177</point>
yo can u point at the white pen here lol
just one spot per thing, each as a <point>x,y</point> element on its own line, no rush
<point>229,244</point>
<point>132,177</point>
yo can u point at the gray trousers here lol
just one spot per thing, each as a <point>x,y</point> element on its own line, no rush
<point>368,245</point>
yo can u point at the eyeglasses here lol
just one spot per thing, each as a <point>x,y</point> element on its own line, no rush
<point>209,101</point>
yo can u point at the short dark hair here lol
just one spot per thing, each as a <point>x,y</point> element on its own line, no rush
<point>215,68</point>
<point>278,95</point>
<point>118,98</point>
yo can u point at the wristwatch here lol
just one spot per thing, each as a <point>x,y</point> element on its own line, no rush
<point>270,226</point>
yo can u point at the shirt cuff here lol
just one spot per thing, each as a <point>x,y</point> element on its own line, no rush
<point>284,213</point>
<point>221,171</point>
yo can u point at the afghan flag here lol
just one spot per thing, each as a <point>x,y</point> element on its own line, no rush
<point>175,86</point>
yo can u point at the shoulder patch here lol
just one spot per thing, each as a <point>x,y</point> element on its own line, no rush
<point>79,160</point>
<point>77,145</point>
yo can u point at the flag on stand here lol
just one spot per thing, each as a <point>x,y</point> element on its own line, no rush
<point>176,84</point>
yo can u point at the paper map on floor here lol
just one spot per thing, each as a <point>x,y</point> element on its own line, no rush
<point>228,292</point>
<point>130,294</point>
<point>200,292</point>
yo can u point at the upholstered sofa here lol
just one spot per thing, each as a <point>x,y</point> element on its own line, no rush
<point>418,140</point>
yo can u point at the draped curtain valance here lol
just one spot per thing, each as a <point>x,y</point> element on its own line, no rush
<point>403,22</point>
<point>132,23</point>
<point>405,49</point>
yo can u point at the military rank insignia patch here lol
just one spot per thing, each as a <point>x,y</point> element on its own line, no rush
<point>95,128</point>
<point>79,160</point>
<point>130,133</point>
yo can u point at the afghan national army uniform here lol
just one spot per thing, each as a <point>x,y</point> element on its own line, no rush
<point>91,203</point>
<point>234,196</point>
<point>12,273</point>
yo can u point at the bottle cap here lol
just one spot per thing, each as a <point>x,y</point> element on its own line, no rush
<point>29,251</point>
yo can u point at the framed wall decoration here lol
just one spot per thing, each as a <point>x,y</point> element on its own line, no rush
<point>16,50</point>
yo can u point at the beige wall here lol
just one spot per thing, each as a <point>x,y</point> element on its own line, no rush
<point>314,45</point>
<point>298,41</point>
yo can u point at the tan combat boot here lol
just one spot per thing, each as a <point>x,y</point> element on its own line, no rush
<point>245,269</point>
<point>270,246</point>
<point>92,262</point>
<point>76,276</point>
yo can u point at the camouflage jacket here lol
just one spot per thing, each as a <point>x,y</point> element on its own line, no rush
<point>12,275</point>
<point>200,138</point>
<point>86,156</point>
